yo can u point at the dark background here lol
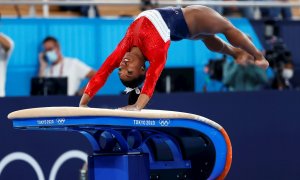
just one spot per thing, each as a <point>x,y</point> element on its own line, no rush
<point>263,127</point>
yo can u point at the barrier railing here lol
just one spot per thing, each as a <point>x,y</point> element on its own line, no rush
<point>160,2</point>
<point>47,3</point>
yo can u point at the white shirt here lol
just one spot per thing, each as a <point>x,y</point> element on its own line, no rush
<point>4,57</point>
<point>73,69</point>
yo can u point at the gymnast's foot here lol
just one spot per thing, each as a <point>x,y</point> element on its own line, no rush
<point>243,58</point>
<point>262,63</point>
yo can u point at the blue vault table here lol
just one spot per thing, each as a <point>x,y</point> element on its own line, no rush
<point>137,145</point>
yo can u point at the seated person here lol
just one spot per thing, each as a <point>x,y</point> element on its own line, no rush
<point>276,13</point>
<point>54,64</point>
<point>83,10</point>
<point>146,5</point>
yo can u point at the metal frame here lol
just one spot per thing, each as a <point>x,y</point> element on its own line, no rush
<point>114,124</point>
<point>159,2</point>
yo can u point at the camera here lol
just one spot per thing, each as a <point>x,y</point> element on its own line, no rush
<point>278,55</point>
<point>215,68</point>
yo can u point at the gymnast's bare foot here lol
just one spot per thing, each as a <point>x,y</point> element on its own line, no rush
<point>243,58</point>
<point>262,63</point>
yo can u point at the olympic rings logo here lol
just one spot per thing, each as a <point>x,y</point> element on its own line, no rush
<point>60,120</point>
<point>35,165</point>
<point>164,122</point>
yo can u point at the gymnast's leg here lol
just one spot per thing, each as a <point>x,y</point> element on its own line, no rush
<point>216,44</point>
<point>205,21</point>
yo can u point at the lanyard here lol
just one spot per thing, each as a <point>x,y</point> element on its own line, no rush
<point>61,70</point>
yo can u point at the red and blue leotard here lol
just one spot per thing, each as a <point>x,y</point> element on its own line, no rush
<point>150,33</point>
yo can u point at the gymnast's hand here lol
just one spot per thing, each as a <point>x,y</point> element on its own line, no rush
<point>85,99</point>
<point>131,108</point>
<point>141,102</point>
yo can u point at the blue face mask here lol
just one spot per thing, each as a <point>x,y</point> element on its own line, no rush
<point>51,56</point>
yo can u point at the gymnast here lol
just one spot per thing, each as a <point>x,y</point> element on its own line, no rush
<point>148,39</point>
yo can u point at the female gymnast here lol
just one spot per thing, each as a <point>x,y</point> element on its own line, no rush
<point>148,39</point>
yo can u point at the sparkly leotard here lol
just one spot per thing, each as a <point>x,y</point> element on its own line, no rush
<point>152,35</point>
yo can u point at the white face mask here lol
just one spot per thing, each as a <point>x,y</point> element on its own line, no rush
<point>51,56</point>
<point>287,73</point>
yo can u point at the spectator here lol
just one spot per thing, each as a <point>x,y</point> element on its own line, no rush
<point>266,13</point>
<point>147,5</point>
<point>275,13</point>
<point>6,48</point>
<point>281,61</point>
<point>83,10</point>
<point>219,9</point>
<point>247,12</point>
<point>54,64</point>
<point>282,80</point>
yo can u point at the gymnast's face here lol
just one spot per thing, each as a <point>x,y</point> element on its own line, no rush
<point>131,67</point>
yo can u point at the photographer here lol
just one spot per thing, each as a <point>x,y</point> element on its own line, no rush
<point>282,80</point>
<point>54,64</point>
<point>280,59</point>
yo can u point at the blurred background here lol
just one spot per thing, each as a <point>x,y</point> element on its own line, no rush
<point>258,108</point>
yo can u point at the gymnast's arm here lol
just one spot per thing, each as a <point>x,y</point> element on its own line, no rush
<point>157,61</point>
<point>99,79</point>
<point>152,76</point>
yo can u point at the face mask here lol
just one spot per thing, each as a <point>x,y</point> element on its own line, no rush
<point>287,73</point>
<point>51,56</point>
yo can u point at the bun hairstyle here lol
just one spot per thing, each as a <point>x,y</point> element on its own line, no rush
<point>133,96</point>
<point>133,88</point>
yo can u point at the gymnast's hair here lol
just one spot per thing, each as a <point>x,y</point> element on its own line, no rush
<point>135,83</point>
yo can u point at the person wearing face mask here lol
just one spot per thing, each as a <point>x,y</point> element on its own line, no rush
<point>54,64</point>
<point>6,48</point>
<point>282,80</point>
<point>287,74</point>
